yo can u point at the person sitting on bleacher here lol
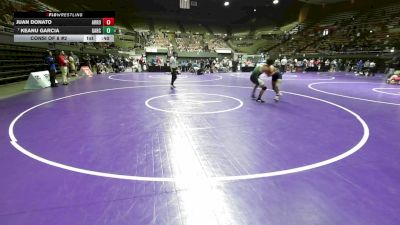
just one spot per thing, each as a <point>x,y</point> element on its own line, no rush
<point>51,65</point>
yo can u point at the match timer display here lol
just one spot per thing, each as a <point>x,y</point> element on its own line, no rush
<point>64,26</point>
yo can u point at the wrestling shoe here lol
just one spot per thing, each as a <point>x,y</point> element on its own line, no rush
<point>260,100</point>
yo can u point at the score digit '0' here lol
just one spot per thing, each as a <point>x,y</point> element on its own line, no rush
<point>108,30</point>
<point>108,21</point>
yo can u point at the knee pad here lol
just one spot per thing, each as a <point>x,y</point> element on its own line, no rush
<point>264,88</point>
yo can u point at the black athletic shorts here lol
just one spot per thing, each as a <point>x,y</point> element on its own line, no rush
<point>276,76</point>
<point>174,71</point>
<point>257,81</point>
<point>254,80</point>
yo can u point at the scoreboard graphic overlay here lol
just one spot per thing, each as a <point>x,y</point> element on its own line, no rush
<point>64,26</point>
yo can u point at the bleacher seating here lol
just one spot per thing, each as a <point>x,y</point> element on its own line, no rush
<point>216,42</point>
<point>291,27</point>
<point>161,40</point>
<point>6,28</point>
<point>16,62</point>
<point>249,44</point>
<point>337,18</point>
<point>140,24</point>
<point>190,42</point>
<point>218,29</point>
<point>264,30</point>
<point>368,31</point>
<point>309,38</point>
<point>166,26</point>
<point>195,28</point>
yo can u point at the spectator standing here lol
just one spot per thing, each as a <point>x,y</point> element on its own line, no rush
<point>51,65</point>
<point>174,69</point>
<point>141,63</point>
<point>63,63</point>
<point>72,64</point>
<point>372,66</point>
<point>366,67</point>
<point>86,61</point>
<point>283,64</point>
<point>360,65</point>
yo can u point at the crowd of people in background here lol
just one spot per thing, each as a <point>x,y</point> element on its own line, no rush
<point>185,42</point>
<point>211,65</point>
<point>190,43</point>
<point>359,67</point>
<point>200,66</point>
<point>69,64</point>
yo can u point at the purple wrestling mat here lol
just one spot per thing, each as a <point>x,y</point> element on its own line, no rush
<point>126,149</point>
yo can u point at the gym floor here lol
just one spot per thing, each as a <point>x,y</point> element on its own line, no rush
<point>126,149</point>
